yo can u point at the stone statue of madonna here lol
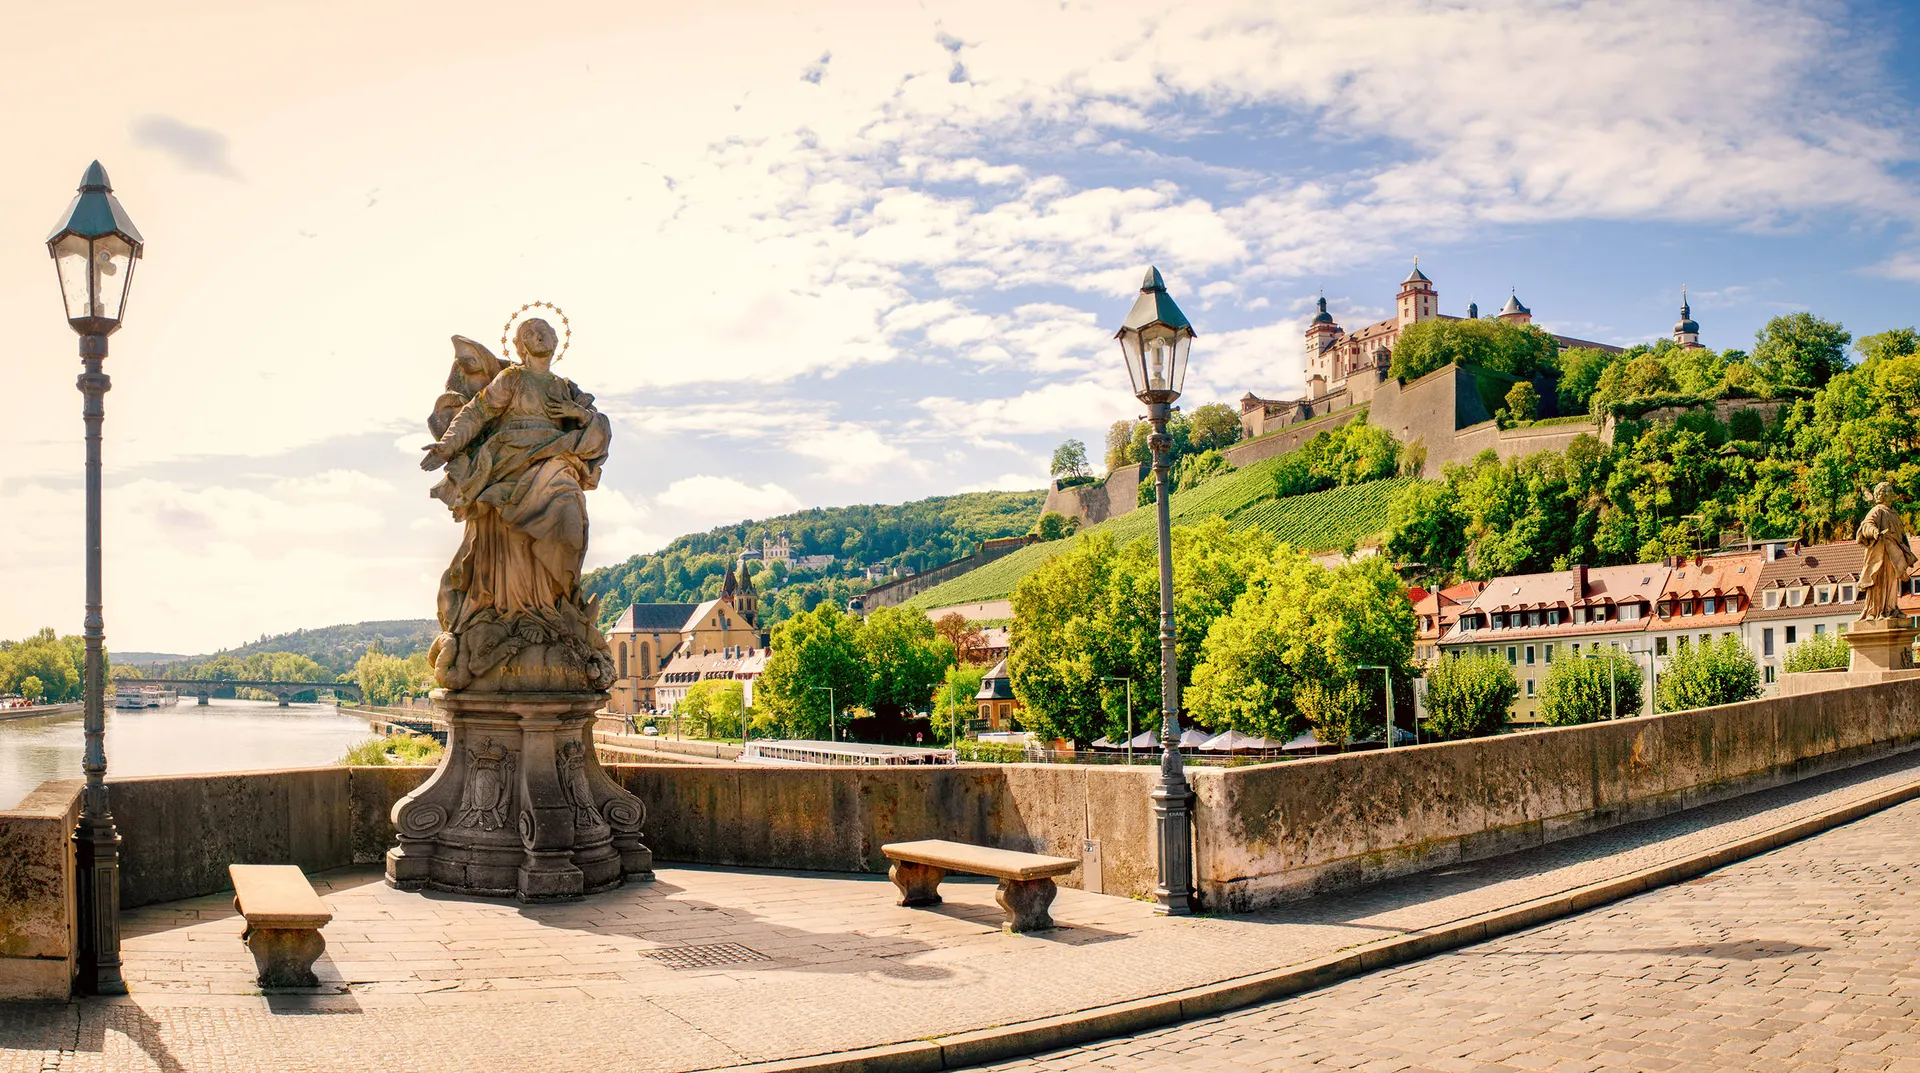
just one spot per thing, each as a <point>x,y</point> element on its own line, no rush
<point>520,806</point>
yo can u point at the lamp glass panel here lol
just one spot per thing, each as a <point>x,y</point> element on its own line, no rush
<point>1130,349</point>
<point>1159,361</point>
<point>1182,340</point>
<point>71,256</point>
<point>112,274</point>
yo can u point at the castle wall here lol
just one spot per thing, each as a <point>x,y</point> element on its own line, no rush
<point>899,592</point>
<point>1247,452</point>
<point>1092,503</point>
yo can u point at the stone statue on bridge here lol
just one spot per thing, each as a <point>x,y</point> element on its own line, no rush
<point>522,663</point>
<point>1881,639</point>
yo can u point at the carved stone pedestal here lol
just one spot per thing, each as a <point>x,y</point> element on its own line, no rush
<point>520,806</point>
<point>1881,645</point>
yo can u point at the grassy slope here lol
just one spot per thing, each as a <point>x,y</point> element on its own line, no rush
<point>1319,521</point>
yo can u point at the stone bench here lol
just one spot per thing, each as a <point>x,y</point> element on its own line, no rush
<point>1026,879</point>
<point>284,918</point>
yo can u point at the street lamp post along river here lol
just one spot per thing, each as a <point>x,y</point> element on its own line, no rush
<point>94,247</point>
<point>1155,339</point>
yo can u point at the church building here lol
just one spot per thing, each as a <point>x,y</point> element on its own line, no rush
<point>648,638</point>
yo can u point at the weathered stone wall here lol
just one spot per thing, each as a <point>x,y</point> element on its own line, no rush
<point>1094,503</point>
<point>1276,832</point>
<point>37,939</point>
<point>1247,452</point>
<point>179,832</point>
<point>906,588</point>
<point>837,818</point>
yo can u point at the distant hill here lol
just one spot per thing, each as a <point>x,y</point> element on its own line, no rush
<point>141,659</point>
<point>901,538</point>
<point>335,648</point>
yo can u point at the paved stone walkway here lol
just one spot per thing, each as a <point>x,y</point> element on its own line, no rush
<point>712,967</point>
<point>1800,959</point>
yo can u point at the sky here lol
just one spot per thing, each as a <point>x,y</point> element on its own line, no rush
<point>846,252</point>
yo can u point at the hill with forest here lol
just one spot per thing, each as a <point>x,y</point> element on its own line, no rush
<point>886,539</point>
<point>334,648</point>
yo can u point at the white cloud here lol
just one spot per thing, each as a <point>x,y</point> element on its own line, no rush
<point>703,501</point>
<point>851,452</point>
<point>1056,408</point>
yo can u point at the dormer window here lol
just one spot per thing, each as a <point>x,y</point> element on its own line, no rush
<point>1553,618</point>
<point>1823,594</point>
<point>1771,600</point>
<point>1796,597</point>
<point>1846,594</point>
<point>1686,607</point>
<point>1708,609</point>
<point>1533,618</point>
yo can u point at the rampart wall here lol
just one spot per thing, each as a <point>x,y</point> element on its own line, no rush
<point>1092,503</point>
<point>906,588</point>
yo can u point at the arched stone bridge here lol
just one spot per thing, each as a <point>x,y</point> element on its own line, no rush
<point>187,687</point>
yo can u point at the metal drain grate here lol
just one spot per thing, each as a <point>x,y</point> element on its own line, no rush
<point>706,957</point>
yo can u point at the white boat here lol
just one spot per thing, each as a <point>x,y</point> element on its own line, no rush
<point>139,699</point>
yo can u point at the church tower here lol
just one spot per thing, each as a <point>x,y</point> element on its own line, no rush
<point>1322,334</point>
<point>746,600</point>
<point>1418,298</point>
<point>1686,333</point>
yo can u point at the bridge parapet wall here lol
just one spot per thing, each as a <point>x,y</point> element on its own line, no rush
<point>1263,835</point>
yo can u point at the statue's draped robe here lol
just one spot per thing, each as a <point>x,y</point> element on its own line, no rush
<point>1889,558</point>
<point>519,481</point>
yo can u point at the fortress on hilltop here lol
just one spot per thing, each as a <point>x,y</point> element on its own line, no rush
<point>1448,413</point>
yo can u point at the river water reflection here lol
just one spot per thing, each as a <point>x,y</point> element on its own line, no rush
<point>225,735</point>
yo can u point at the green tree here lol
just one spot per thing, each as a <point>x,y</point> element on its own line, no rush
<point>1093,612</point>
<point>904,658</point>
<point>1469,696</point>
<point>58,662</point>
<point>1893,343</point>
<point>32,689</point>
<point>813,652</point>
<point>1580,372</point>
<point>1822,651</point>
<point>383,679</point>
<point>1514,349</point>
<point>1214,426</point>
<point>1051,526</point>
<point>1523,402</point>
<point>1799,350</point>
<point>1708,673</point>
<point>713,708</point>
<point>1338,715</point>
<point>1070,459</point>
<point>1296,626</point>
<point>1120,445</point>
<point>1587,690</point>
<point>952,699</point>
<point>1354,453</point>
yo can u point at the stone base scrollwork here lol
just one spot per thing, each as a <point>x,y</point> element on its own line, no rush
<point>520,806</point>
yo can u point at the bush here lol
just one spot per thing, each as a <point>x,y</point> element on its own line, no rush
<point>1583,690</point>
<point>1822,651</point>
<point>1051,526</point>
<point>407,750</point>
<point>1469,696</point>
<point>1708,673</point>
<point>989,752</point>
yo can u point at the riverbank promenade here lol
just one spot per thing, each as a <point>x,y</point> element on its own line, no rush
<point>711,968</point>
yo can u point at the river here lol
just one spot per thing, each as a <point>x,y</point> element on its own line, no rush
<point>225,735</point>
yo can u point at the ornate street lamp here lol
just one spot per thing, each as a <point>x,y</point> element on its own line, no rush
<point>94,247</point>
<point>1155,338</point>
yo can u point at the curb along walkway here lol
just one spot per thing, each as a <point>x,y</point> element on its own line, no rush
<point>712,968</point>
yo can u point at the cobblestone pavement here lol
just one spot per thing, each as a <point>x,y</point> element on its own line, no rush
<point>715,967</point>
<point>1800,959</point>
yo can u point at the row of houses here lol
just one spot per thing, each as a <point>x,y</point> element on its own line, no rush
<point>1774,597</point>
